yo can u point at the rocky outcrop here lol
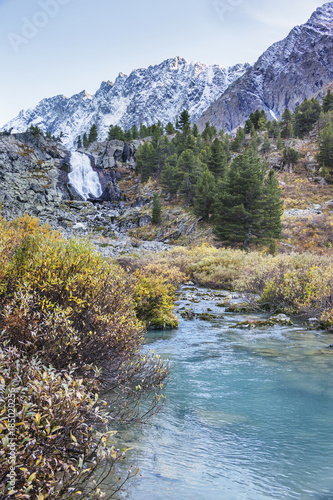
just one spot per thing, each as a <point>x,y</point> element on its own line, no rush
<point>33,175</point>
<point>159,92</point>
<point>296,68</point>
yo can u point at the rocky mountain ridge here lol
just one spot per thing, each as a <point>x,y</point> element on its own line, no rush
<point>159,92</point>
<point>288,72</point>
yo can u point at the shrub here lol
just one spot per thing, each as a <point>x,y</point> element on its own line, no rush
<point>57,453</point>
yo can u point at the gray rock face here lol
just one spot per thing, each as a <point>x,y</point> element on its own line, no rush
<point>32,174</point>
<point>159,92</point>
<point>288,72</point>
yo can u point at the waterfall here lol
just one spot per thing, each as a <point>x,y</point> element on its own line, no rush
<point>82,177</point>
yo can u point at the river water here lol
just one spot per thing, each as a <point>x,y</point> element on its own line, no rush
<point>248,414</point>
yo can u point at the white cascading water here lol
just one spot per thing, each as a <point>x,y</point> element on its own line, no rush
<point>82,177</point>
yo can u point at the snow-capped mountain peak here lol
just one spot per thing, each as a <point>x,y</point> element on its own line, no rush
<point>146,95</point>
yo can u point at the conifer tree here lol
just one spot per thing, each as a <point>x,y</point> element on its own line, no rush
<point>116,133</point>
<point>287,130</point>
<point>157,211</point>
<point>217,160</point>
<point>325,155</point>
<point>135,132</point>
<point>85,140</point>
<point>184,119</point>
<point>189,169</point>
<point>242,203</point>
<point>272,209</point>
<point>79,142</point>
<point>279,142</point>
<point>328,102</point>
<point>266,147</point>
<point>170,176</point>
<point>195,130</point>
<point>145,161</point>
<point>170,129</point>
<point>305,116</point>
<point>93,134</point>
<point>239,140</point>
<point>204,198</point>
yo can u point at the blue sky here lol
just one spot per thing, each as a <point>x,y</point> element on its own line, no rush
<point>51,47</point>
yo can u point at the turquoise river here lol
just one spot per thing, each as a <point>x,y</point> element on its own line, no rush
<point>248,413</point>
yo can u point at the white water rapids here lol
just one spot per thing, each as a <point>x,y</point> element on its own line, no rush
<point>82,177</point>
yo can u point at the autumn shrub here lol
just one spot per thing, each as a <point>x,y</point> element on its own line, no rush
<point>299,283</point>
<point>156,284</point>
<point>52,450</point>
<point>62,301</point>
<point>63,304</point>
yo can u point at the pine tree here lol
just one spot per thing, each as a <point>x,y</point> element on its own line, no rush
<point>184,119</point>
<point>239,209</point>
<point>272,209</point>
<point>239,140</point>
<point>145,161</point>
<point>325,155</point>
<point>328,102</point>
<point>195,130</point>
<point>170,176</point>
<point>135,132</point>
<point>189,168</point>
<point>93,134</point>
<point>205,195</point>
<point>79,142</point>
<point>85,140</point>
<point>170,129</point>
<point>116,133</point>
<point>279,142</point>
<point>305,116</point>
<point>266,147</point>
<point>217,160</point>
<point>287,130</point>
<point>157,211</point>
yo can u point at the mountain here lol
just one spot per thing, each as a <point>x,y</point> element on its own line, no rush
<point>159,92</point>
<point>288,72</point>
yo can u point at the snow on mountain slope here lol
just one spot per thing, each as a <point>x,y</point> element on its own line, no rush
<point>159,92</point>
<point>288,72</point>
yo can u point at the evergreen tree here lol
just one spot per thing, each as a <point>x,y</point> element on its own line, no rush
<point>273,129</point>
<point>157,211</point>
<point>135,132</point>
<point>287,130</point>
<point>170,129</point>
<point>116,133</point>
<point>85,140</point>
<point>305,116</point>
<point>128,135</point>
<point>272,209</point>
<point>279,142</point>
<point>217,161</point>
<point>266,147</point>
<point>328,102</point>
<point>145,161</point>
<point>325,155</point>
<point>195,130</point>
<point>189,168</point>
<point>93,134</point>
<point>239,140</point>
<point>184,119</point>
<point>79,142</point>
<point>240,208</point>
<point>208,132</point>
<point>143,131</point>
<point>170,176</point>
<point>290,156</point>
<point>205,195</point>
